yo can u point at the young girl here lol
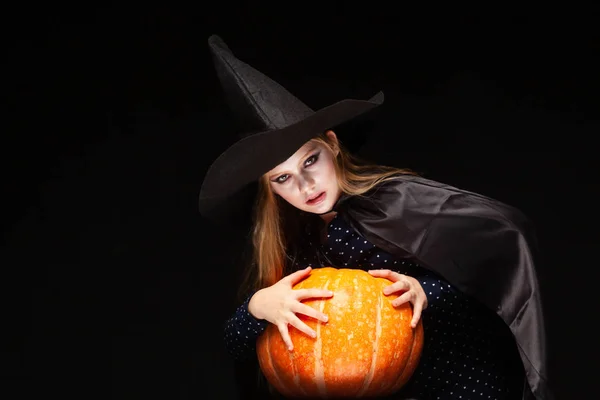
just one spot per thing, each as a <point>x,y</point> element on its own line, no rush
<point>462,260</point>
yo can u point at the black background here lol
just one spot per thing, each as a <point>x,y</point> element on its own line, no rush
<point>115,287</point>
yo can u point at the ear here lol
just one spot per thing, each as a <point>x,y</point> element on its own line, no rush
<point>334,141</point>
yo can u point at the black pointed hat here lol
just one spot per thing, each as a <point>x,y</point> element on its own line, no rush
<point>276,125</point>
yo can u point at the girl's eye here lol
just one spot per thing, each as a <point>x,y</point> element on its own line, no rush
<point>281,179</point>
<point>311,160</point>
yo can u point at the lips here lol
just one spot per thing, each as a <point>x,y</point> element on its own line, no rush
<point>316,199</point>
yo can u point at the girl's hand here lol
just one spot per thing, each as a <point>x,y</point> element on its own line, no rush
<point>280,303</point>
<point>411,288</point>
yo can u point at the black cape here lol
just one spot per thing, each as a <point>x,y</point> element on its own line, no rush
<point>483,247</point>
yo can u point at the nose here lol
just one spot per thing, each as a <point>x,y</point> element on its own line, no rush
<point>306,184</point>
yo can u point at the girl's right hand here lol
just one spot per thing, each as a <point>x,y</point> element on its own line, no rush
<point>280,303</point>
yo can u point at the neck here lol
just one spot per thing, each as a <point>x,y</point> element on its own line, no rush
<point>328,216</point>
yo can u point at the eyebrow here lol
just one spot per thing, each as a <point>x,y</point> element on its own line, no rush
<point>310,150</point>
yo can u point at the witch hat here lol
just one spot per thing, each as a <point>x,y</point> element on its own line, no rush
<point>276,124</point>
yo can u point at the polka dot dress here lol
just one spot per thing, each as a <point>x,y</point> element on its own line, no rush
<point>469,353</point>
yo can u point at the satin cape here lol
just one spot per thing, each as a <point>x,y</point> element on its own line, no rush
<point>483,247</point>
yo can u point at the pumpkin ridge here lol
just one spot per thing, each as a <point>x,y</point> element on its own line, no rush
<point>412,349</point>
<point>409,366</point>
<point>295,373</point>
<point>269,359</point>
<point>318,351</point>
<point>371,373</point>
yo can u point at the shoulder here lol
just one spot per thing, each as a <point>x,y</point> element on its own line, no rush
<point>412,193</point>
<point>428,189</point>
<point>404,187</point>
<point>406,182</point>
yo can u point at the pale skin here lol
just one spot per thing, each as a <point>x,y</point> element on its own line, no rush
<point>307,174</point>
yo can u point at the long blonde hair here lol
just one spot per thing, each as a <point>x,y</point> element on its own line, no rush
<point>275,222</point>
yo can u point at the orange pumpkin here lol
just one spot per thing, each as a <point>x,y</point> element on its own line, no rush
<point>366,349</point>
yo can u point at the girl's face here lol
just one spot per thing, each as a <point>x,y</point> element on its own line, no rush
<point>307,180</point>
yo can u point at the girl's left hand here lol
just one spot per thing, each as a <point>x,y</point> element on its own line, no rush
<point>411,288</point>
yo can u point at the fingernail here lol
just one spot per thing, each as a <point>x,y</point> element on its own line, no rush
<point>313,334</point>
<point>330,293</point>
<point>325,318</point>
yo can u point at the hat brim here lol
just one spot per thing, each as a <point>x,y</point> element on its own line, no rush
<point>252,156</point>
